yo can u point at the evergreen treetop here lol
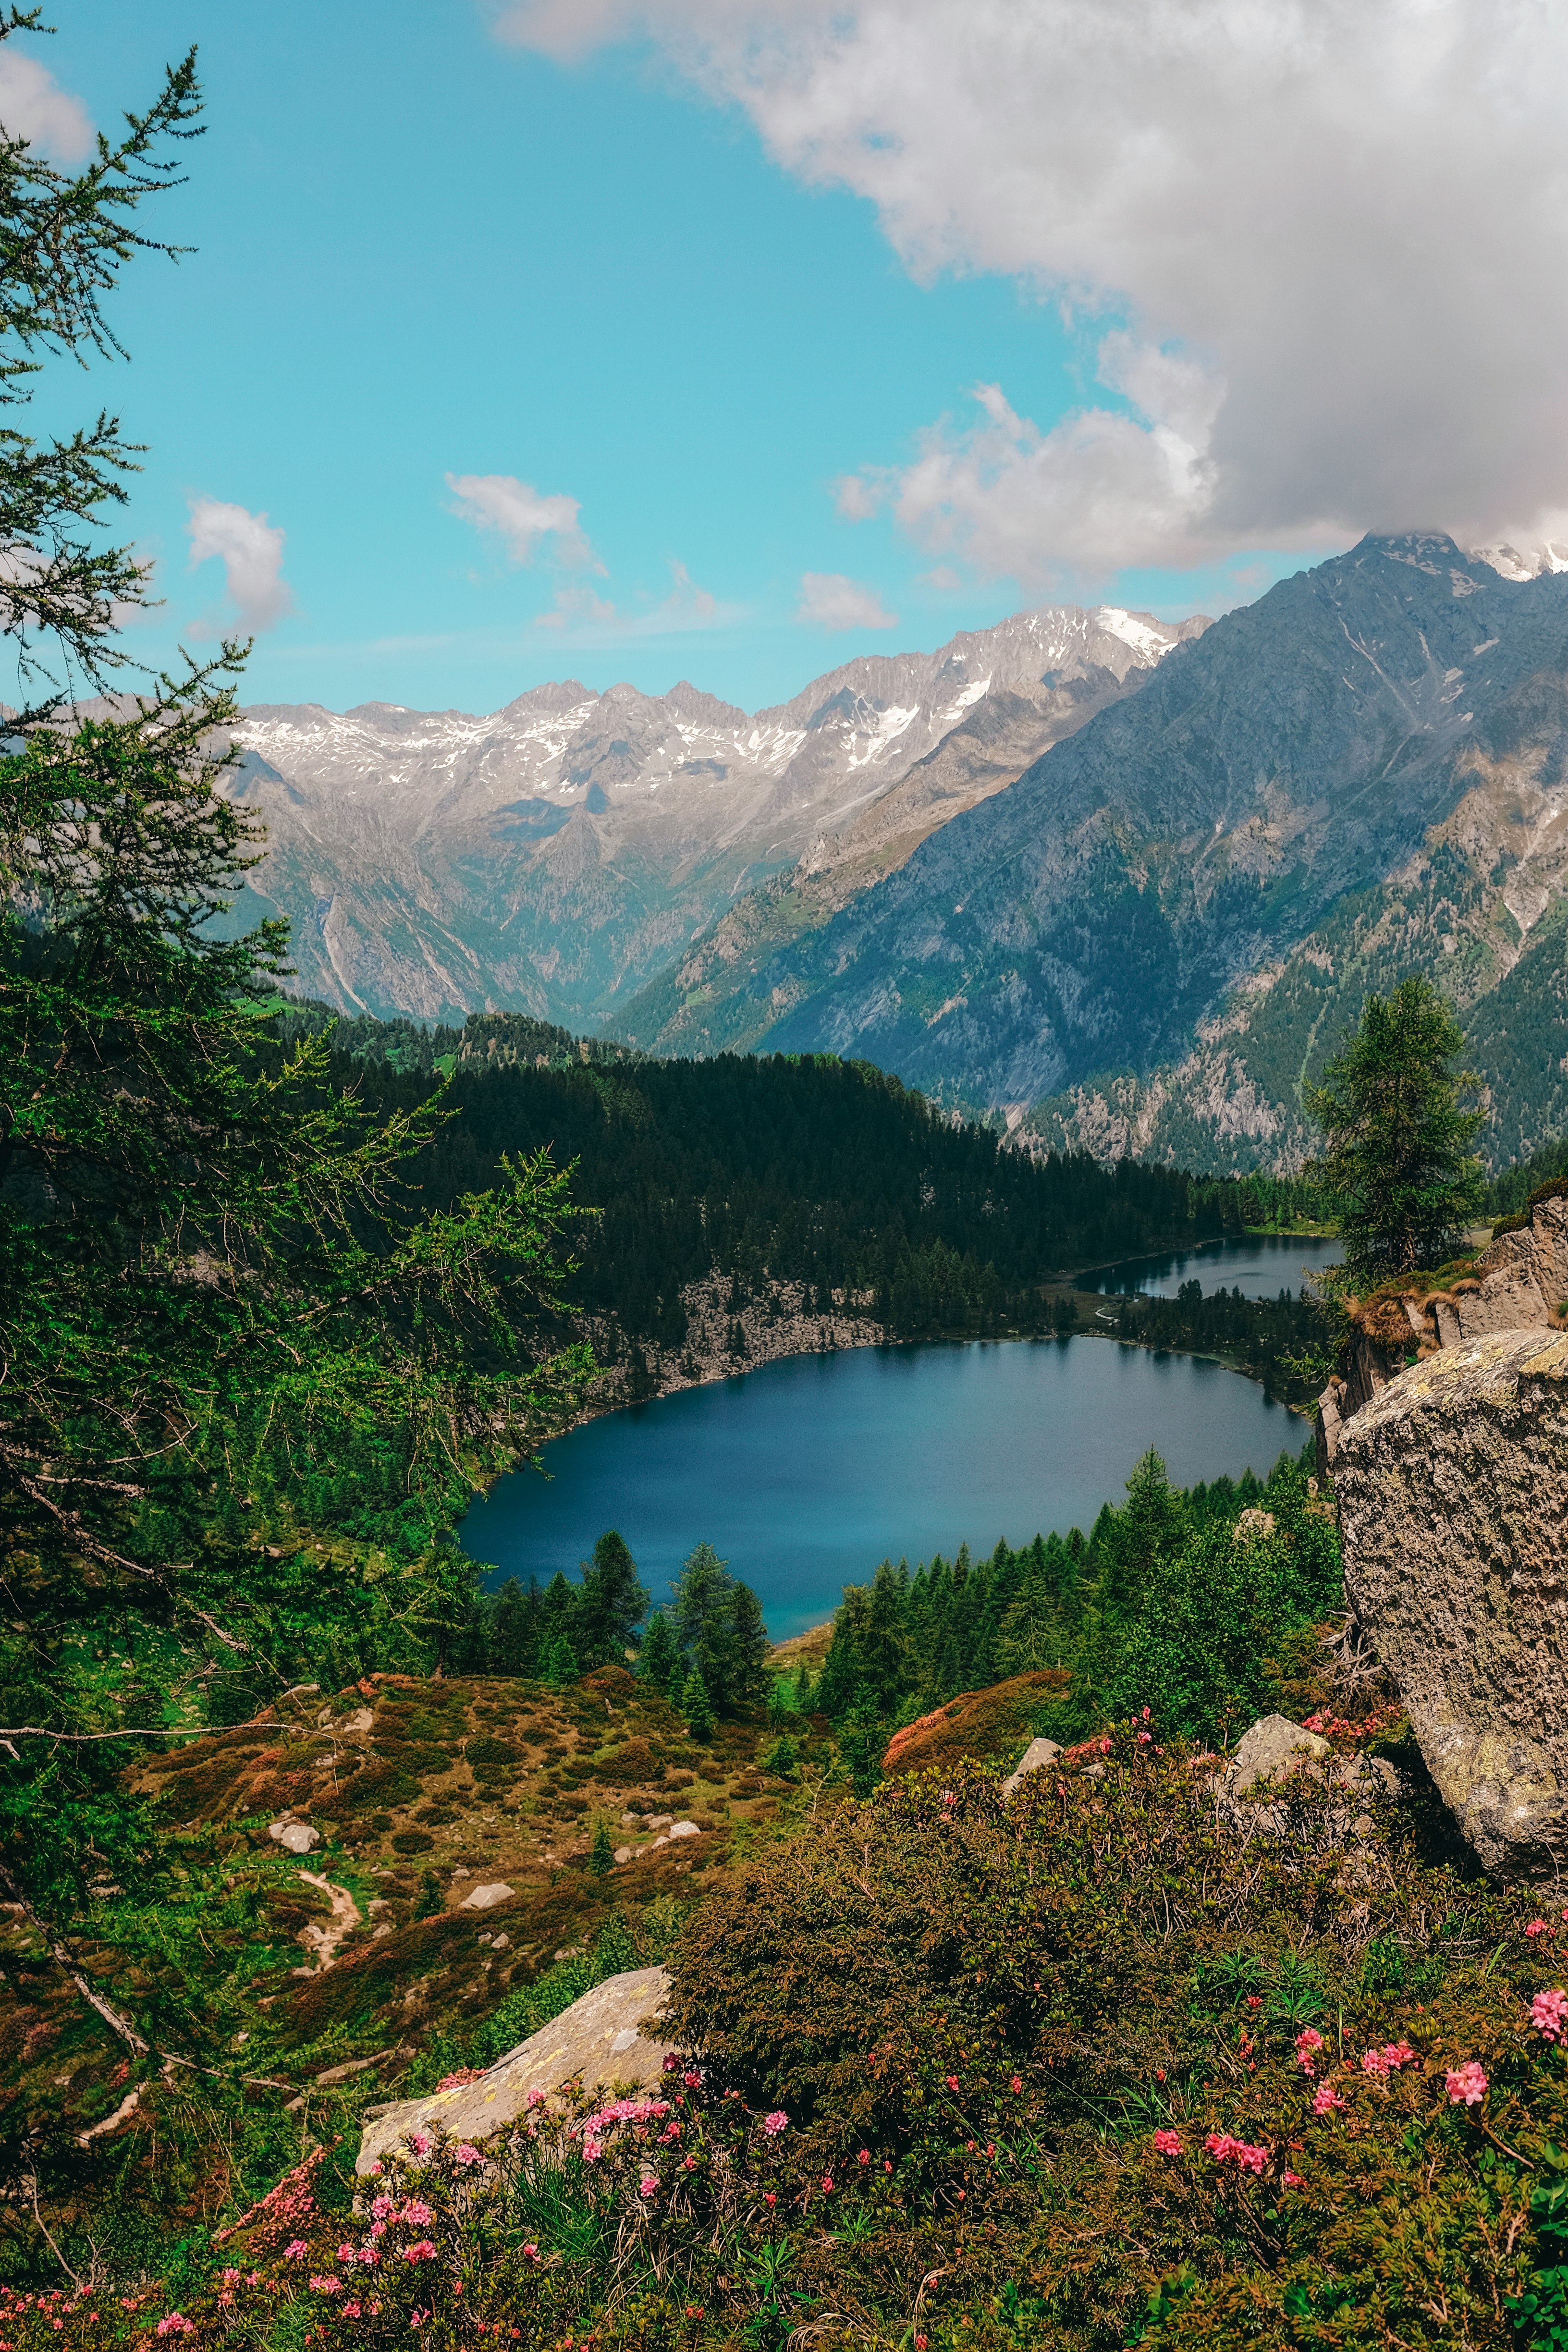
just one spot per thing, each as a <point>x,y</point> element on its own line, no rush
<point>1397,1161</point>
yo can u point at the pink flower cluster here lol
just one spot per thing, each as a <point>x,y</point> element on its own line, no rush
<point>776,2123</point>
<point>1224,2150</point>
<point>619,2111</point>
<point>1308,2042</point>
<point>1466,2085</point>
<point>1549,2014</point>
<point>174,2323</point>
<point>1167,2143</point>
<point>1388,2060</point>
<point>1325,2099</point>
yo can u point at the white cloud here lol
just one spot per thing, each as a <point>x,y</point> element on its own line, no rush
<point>251,551</point>
<point>525,517</point>
<point>584,617</point>
<point>1331,237</point>
<point>830,600</point>
<point>34,107</point>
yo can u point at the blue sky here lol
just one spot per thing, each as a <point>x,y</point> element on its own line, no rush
<point>423,254</point>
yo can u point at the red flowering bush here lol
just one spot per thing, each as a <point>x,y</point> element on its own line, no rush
<point>1106,2063</point>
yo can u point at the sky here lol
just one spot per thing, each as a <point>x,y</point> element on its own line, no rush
<point>729,339</point>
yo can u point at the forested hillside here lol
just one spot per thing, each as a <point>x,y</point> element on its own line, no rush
<point>782,1168</point>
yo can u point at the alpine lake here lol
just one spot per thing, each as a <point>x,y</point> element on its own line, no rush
<point>803,1474</point>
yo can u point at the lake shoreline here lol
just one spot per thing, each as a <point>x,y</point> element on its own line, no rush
<point>640,1372</point>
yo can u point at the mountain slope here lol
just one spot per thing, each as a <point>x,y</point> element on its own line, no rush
<point>1148,938</point>
<point>552,857</point>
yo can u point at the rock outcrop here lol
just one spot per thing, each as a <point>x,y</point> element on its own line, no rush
<point>1519,1282</point>
<point>1034,1758</point>
<point>597,2041</point>
<point>1452,1493</point>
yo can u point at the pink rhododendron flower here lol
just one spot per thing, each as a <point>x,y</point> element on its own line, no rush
<point>345,2253</point>
<point>1224,2149</point>
<point>174,2323</point>
<point>419,2214</point>
<point>467,2154</point>
<point>536,2099</point>
<point>1308,2042</point>
<point>1325,2099</point>
<point>1017,2084</point>
<point>952,2082</point>
<point>292,2252</point>
<point>692,2080</point>
<point>864,2156</point>
<point>384,2206</point>
<point>329,2285</point>
<point>646,2186</point>
<point>1167,2143</point>
<point>421,2250</point>
<point>1548,2012</point>
<point>420,2143</point>
<point>1466,2085</point>
<point>1537,1927</point>
<point>1291,2180</point>
<point>352,2310</point>
<point>777,2122</point>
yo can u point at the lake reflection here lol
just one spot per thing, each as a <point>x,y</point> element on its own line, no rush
<point>805,1473</point>
<point>1261,1265</point>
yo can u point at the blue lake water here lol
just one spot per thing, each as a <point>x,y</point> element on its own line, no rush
<point>805,1473</point>
<point>1261,1265</point>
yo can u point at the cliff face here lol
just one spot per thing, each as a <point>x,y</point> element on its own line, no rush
<point>1520,1284</point>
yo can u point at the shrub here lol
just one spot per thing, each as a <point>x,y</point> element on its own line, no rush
<point>412,1841</point>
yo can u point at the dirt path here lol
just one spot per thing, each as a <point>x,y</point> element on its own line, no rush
<point>347,1916</point>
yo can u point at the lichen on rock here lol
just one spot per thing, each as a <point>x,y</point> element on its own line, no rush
<point>1452,1493</point>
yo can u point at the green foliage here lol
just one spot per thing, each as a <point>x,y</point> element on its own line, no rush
<point>1094,2065</point>
<point>696,1707</point>
<point>63,241</point>
<point>1165,1604</point>
<point>1397,1161</point>
<point>429,1902</point>
<point>806,1170</point>
<point>716,1625</point>
<point>602,1854</point>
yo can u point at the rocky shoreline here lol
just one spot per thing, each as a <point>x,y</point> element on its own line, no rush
<point>721,1341</point>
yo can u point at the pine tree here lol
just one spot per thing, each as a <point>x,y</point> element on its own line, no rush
<point>1398,1164</point>
<point>696,1707</point>
<point>429,1902</point>
<point>660,1658</point>
<point>610,1603</point>
<point>560,1665</point>
<point>602,1855</point>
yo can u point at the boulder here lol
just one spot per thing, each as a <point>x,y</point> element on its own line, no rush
<point>1270,1751</point>
<point>484,1898</point>
<point>1035,1757</point>
<point>684,1830</point>
<point>1453,1495</point>
<point>597,2041</point>
<point>295,1837</point>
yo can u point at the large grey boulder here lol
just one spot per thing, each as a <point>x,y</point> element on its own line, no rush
<point>1034,1758</point>
<point>1453,1494</point>
<point>597,2041</point>
<point>1269,1750</point>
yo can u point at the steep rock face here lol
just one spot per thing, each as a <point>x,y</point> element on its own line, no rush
<point>552,856</point>
<point>1519,1282</point>
<point>1148,938</point>
<point>1453,1497</point>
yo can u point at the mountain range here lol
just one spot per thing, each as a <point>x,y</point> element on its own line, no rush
<point>555,856</point>
<point>1121,885</point>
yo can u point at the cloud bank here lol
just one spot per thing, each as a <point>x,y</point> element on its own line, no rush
<point>250,549</point>
<point>524,517</point>
<point>830,600</point>
<point>32,107</point>
<point>1320,249</point>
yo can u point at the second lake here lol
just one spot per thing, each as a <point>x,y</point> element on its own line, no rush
<point>805,1473</point>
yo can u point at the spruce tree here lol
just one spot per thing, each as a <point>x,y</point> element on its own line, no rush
<point>602,1854</point>
<point>560,1665</point>
<point>610,1604</point>
<point>660,1659</point>
<point>1397,1160</point>
<point>696,1707</point>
